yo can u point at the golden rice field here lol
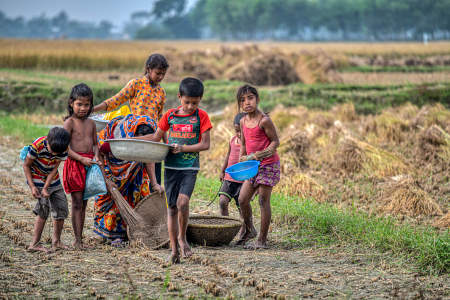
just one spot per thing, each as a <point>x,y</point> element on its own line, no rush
<point>95,55</point>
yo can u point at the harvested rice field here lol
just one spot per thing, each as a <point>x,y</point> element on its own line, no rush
<point>362,210</point>
<point>281,272</point>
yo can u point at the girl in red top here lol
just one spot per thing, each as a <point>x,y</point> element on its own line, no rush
<point>231,188</point>
<point>259,141</point>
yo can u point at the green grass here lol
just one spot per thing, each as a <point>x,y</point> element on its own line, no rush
<point>400,69</point>
<point>37,90</point>
<point>21,129</point>
<point>322,224</point>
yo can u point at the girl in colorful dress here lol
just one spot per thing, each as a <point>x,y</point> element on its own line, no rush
<point>144,95</point>
<point>259,141</point>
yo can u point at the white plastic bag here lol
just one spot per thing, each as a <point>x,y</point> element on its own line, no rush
<point>95,184</point>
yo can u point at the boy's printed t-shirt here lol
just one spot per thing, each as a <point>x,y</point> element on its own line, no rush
<point>184,130</point>
<point>44,162</point>
<point>144,99</point>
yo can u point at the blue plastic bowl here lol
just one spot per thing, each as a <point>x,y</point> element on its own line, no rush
<point>243,170</point>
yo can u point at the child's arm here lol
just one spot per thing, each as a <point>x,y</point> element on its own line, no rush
<point>97,155</point>
<point>225,163</point>
<point>202,146</point>
<point>271,132</point>
<point>243,150</point>
<point>27,170</point>
<point>120,98</point>
<point>151,174</point>
<point>153,137</point>
<point>49,179</point>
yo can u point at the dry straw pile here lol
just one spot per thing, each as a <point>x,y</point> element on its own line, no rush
<point>396,161</point>
<point>403,195</point>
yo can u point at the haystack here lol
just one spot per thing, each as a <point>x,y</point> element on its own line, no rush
<point>264,69</point>
<point>433,114</point>
<point>283,117</point>
<point>303,186</point>
<point>402,195</point>
<point>387,127</point>
<point>443,222</point>
<point>434,142</point>
<point>345,112</point>
<point>316,67</point>
<point>294,149</point>
<point>354,156</point>
<point>199,70</point>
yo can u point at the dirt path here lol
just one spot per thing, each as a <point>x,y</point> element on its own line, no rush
<point>337,272</point>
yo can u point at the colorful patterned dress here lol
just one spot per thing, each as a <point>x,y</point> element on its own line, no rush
<point>130,177</point>
<point>144,99</point>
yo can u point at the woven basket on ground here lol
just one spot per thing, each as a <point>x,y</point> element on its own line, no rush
<point>212,230</point>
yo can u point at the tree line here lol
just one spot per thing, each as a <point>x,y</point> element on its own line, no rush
<point>58,26</point>
<point>297,20</point>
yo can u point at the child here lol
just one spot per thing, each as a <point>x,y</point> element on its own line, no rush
<point>230,188</point>
<point>145,95</point>
<point>259,141</point>
<point>41,170</point>
<point>83,148</point>
<point>188,128</point>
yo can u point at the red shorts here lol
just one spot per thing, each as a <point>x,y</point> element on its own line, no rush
<point>74,174</point>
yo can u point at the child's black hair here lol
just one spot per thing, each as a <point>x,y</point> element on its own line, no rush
<point>78,91</point>
<point>144,129</point>
<point>237,118</point>
<point>191,87</point>
<point>156,61</point>
<point>58,139</point>
<point>245,89</point>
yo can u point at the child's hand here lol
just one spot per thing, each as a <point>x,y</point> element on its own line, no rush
<point>35,192</point>
<point>157,188</point>
<point>176,148</point>
<point>87,161</point>
<point>247,157</point>
<point>98,161</point>
<point>45,193</point>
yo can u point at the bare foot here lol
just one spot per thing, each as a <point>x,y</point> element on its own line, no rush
<point>77,245</point>
<point>185,249</point>
<point>174,258</point>
<point>256,245</point>
<point>59,246</point>
<point>38,247</point>
<point>245,235</point>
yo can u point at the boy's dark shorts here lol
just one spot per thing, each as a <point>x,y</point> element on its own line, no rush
<point>231,190</point>
<point>56,204</point>
<point>178,182</point>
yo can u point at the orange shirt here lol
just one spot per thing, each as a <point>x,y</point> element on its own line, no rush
<point>144,99</point>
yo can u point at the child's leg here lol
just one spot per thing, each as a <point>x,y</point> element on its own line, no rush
<point>264,192</point>
<point>83,216</point>
<point>172,188</point>
<point>183,218</point>
<point>77,218</point>
<point>223,203</point>
<point>248,230</point>
<point>39,224</point>
<point>172,227</point>
<point>59,211</point>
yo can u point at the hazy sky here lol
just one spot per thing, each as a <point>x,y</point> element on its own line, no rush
<point>115,11</point>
